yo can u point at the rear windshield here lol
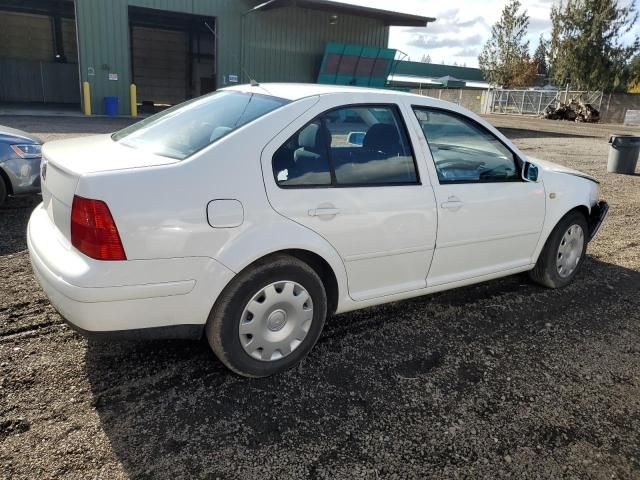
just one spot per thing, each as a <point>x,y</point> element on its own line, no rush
<point>180,131</point>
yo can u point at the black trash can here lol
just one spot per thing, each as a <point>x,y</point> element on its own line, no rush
<point>623,154</point>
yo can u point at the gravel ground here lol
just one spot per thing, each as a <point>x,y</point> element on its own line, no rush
<point>499,380</point>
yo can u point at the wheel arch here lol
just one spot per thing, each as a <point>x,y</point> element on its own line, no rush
<point>552,223</point>
<point>7,183</point>
<point>317,262</point>
<point>284,236</point>
<point>324,271</point>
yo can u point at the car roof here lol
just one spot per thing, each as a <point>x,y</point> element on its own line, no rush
<point>296,91</point>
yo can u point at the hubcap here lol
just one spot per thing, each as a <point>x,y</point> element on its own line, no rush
<point>276,321</point>
<point>570,251</point>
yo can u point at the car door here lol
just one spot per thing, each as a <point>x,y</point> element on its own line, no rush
<point>489,219</point>
<point>350,175</point>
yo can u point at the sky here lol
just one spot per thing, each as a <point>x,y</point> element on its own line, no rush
<point>462,26</point>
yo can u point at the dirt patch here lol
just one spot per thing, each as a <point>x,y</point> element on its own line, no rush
<point>499,380</point>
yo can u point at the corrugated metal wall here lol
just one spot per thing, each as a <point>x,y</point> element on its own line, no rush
<point>281,45</point>
<point>287,44</point>
<point>103,44</point>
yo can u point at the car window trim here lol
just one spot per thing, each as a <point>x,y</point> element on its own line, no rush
<point>516,158</point>
<point>334,183</point>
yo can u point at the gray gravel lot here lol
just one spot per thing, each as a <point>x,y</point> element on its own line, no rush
<point>499,380</point>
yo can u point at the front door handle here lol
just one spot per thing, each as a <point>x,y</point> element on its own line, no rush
<point>324,212</point>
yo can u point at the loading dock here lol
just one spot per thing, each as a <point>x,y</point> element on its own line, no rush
<point>38,53</point>
<point>172,55</point>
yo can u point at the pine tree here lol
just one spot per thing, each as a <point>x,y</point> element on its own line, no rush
<point>633,73</point>
<point>540,58</point>
<point>586,43</point>
<point>505,57</point>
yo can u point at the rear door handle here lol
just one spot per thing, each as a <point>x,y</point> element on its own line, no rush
<point>324,212</point>
<point>453,205</point>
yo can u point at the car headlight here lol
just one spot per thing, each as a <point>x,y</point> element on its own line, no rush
<point>28,151</point>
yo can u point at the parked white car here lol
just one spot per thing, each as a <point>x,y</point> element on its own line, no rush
<point>252,213</point>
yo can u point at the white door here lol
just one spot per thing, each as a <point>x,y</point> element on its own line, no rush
<point>489,219</point>
<point>362,192</point>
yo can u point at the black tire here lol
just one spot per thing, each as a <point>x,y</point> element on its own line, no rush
<point>546,272</point>
<point>3,191</point>
<point>222,329</point>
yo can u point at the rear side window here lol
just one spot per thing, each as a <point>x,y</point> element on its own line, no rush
<point>354,146</point>
<point>181,131</point>
<point>463,151</point>
<point>304,159</point>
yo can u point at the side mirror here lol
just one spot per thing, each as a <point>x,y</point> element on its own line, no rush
<point>529,172</point>
<point>356,138</point>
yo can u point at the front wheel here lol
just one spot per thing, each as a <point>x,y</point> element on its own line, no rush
<point>563,253</point>
<point>269,317</point>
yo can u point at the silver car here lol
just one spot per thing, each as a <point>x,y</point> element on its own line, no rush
<point>20,156</point>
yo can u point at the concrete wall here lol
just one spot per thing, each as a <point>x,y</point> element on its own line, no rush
<point>615,106</point>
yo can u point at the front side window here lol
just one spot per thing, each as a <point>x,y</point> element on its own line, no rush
<point>352,146</point>
<point>463,151</point>
<point>181,131</point>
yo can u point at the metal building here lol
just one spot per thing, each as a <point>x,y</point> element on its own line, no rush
<point>172,49</point>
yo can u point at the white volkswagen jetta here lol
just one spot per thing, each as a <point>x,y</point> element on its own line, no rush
<point>252,213</point>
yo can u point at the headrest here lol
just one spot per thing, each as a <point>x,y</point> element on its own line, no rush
<point>382,137</point>
<point>314,137</point>
<point>219,132</point>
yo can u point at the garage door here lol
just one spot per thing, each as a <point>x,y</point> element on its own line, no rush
<point>160,59</point>
<point>29,72</point>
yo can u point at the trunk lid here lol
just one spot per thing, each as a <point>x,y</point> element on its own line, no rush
<point>98,153</point>
<point>66,161</point>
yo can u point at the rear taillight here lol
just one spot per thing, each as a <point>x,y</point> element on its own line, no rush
<point>93,230</point>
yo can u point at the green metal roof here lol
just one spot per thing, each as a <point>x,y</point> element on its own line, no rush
<point>434,70</point>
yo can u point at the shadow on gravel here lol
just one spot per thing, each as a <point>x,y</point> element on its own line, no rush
<point>14,217</point>
<point>428,379</point>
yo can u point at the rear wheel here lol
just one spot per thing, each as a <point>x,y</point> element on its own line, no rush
<point>269,317</point>
<point>563,253</point>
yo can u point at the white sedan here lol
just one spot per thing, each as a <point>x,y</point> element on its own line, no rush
<point>251,214</point>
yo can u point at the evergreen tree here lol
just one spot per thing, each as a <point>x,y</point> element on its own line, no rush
<point>426,58</point>
<point>586,43</point>
<point>505,57</point>
<point>540,58</point>
<point>633,72</point>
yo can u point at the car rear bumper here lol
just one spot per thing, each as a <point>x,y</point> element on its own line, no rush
<point>137,299</point>
<point>598,213</point>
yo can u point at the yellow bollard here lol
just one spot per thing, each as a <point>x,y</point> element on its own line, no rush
<point>86,96</point>
<point>134,100</point>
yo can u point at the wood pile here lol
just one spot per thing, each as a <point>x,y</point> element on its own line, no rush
<point>574,111</point>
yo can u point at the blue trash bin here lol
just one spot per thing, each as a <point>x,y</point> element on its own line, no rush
<point>111,106</point>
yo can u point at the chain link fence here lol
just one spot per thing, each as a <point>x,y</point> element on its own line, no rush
<point>534,102</point>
